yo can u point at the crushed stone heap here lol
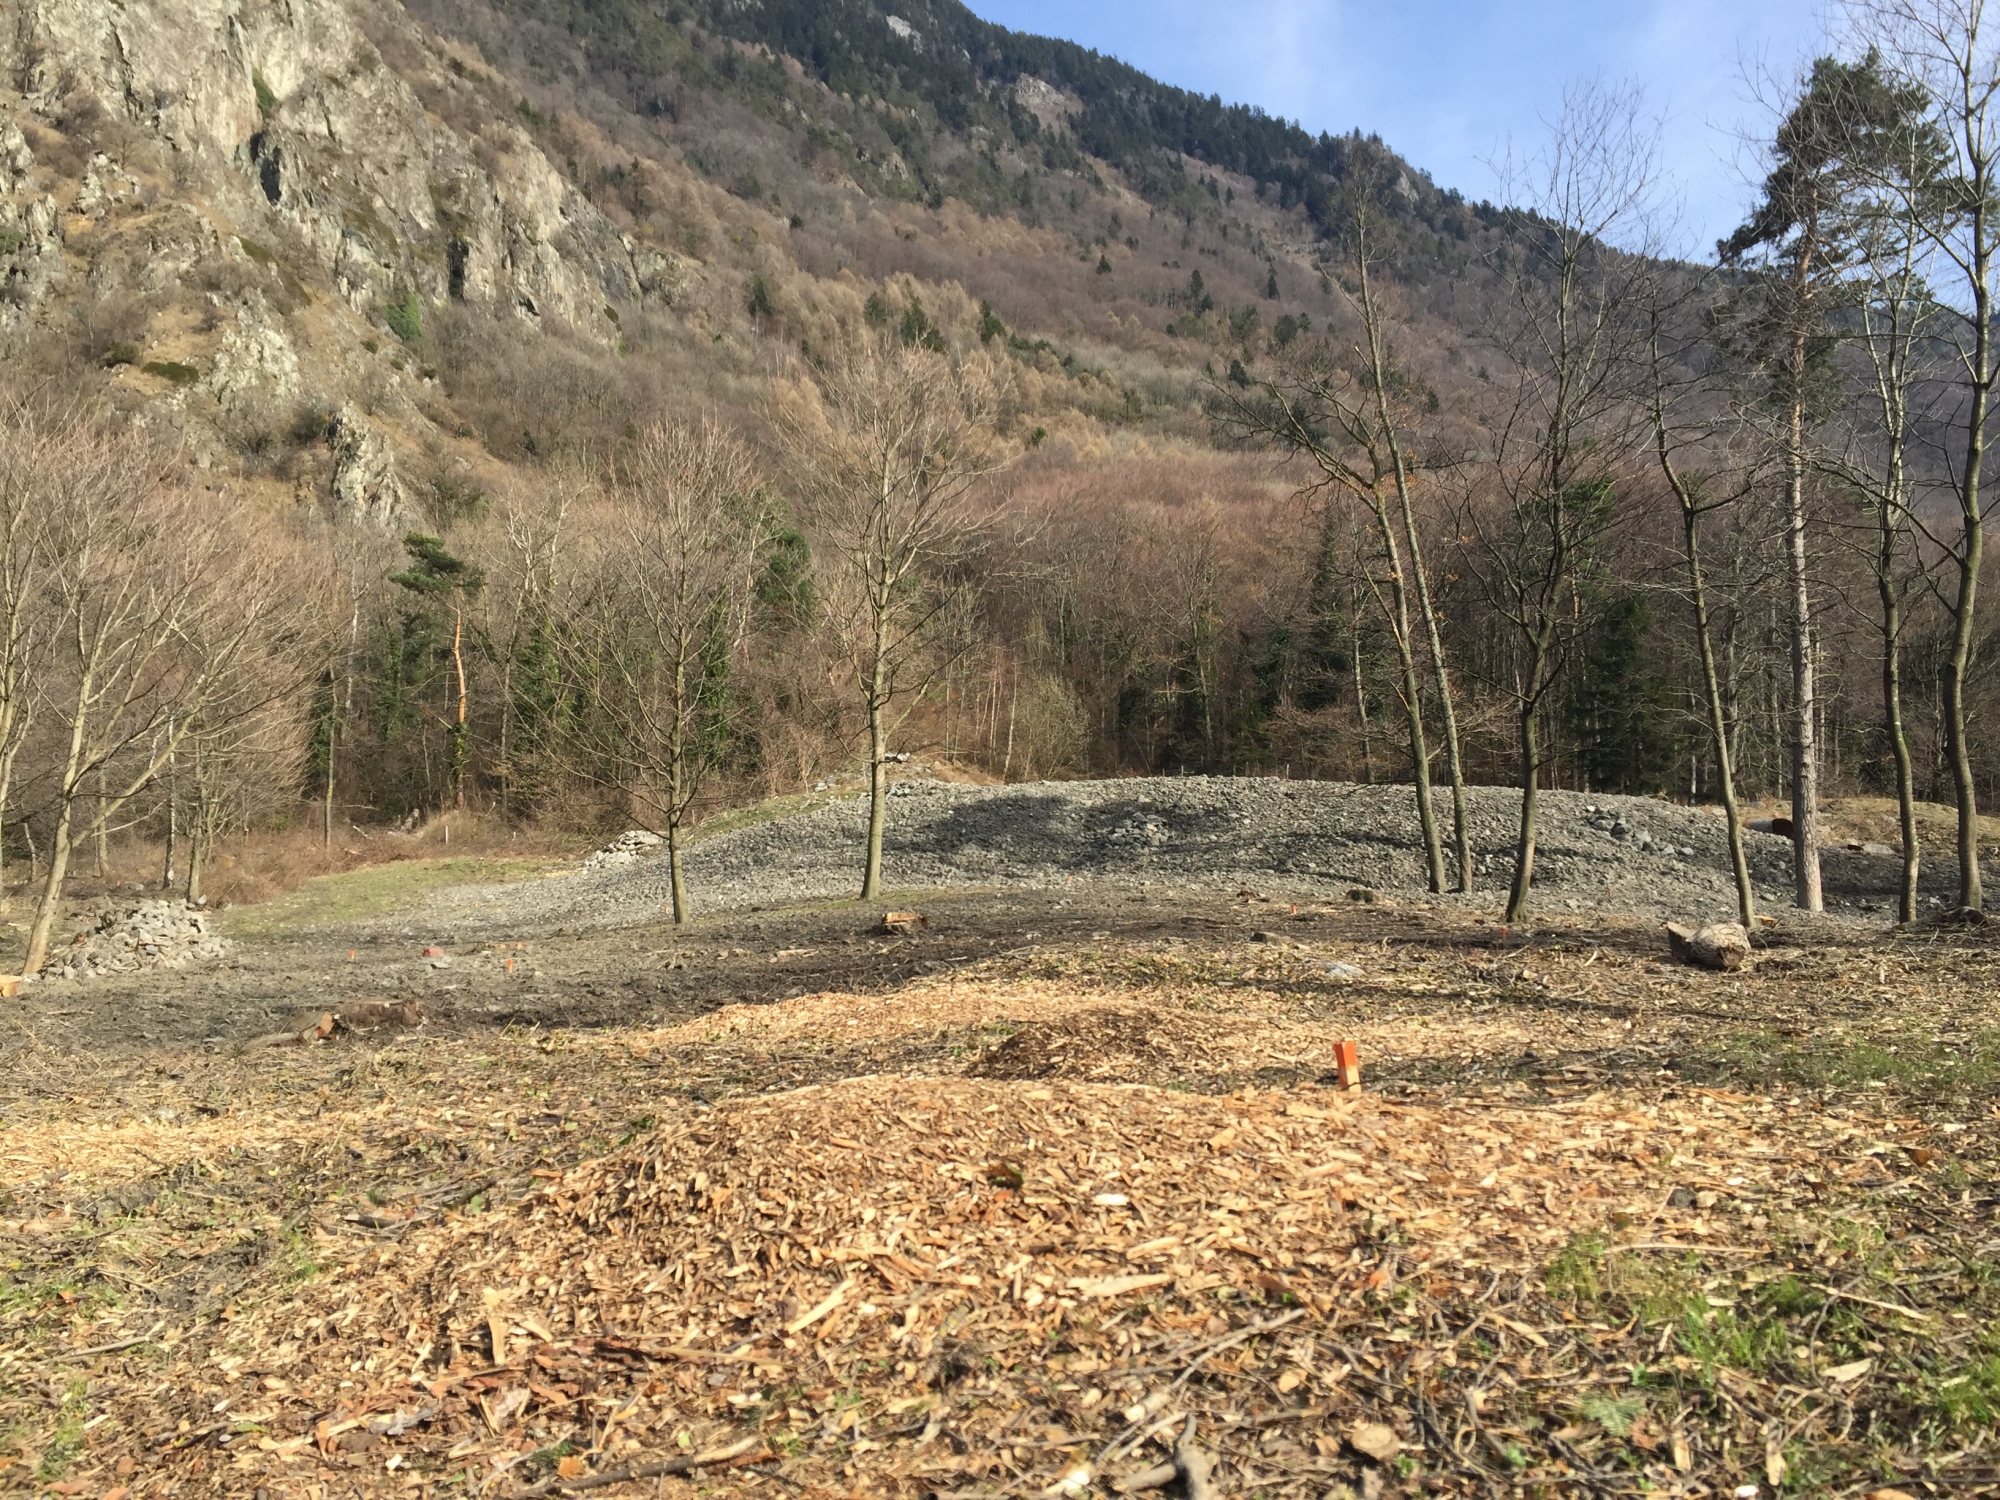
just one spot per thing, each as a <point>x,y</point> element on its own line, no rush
<point>150,935</point>
<point>623,850</point>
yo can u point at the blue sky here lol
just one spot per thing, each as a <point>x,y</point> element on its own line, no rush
<point>1450,83</point>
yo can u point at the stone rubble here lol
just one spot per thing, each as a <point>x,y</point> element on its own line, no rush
<point>156,934</point>
<point>630,845</point>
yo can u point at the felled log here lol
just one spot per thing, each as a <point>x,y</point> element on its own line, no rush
<point>1723,946</point>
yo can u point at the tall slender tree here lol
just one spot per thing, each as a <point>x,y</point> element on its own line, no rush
<point>1950,49</point>
<point>1580,274</point>
<point>1797,244</point>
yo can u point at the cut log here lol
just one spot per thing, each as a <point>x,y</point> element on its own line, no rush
<point>316,1030</point>
<point>1723,946</point>
<point>367,1015</point>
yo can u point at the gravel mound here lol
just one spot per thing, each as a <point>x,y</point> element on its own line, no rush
<point>150,935</point>
<point>1308,840</point>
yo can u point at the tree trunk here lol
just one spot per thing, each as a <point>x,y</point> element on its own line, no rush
<point>1970,559</point>
<point>459,731</point>
<point>1805,729</point>
<point>1361,697</point>
<point>1461,823</point>
<point>1718,724</point>
<point>1531,776</point>
<point>676,879</point>
<point>326,809</point>
<point>197,858</point>
<point>1420,759</point>
<point>7,758</point>
<point>1899,740</point>
<point>878,798</point>
<point>51,897</point>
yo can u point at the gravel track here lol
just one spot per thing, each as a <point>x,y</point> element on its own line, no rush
<point>1310,840</point>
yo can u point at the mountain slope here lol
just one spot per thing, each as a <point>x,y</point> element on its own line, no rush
<point>372,253</point>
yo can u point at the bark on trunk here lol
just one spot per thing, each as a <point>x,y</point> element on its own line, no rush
<point>1807,889</point>
<point>51,897</point>
<point>197,861</point>
<point>675,877</point>
<point>1524,843</point>
<point>1718,725</point>
<point>878,801</point>
<point>1899,746</point>
<point>1971,558</point>
<point>459,730</point>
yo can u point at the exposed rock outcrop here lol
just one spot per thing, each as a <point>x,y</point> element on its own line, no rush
<point>252,189</point>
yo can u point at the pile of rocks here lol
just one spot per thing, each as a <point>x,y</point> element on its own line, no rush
<point>150,935</point>
<point>1624,831</point>
<point>624,849</point>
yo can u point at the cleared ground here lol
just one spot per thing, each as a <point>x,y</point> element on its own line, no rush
<point>842,1212</point>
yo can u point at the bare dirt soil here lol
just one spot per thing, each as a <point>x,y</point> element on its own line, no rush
<point>1027,1202</point>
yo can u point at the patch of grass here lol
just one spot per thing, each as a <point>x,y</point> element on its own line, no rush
<point>119,354</point>
<point>66,1442</point>
<point>357,895</point>
<point>770,810</point>
<point>1904,1059</point>
<point>267,100</point>
<point>172,371</point>
<point>1971,1398</point>
<point>1577,1271</point>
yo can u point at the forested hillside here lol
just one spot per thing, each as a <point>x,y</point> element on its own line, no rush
<point>510,380</point>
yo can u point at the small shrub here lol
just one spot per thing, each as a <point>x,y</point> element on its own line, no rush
<point>1615,1414</point>
<point>405,318</point>
<point>758,298</point>
<point>172,371</point>
<point>312,424</point>
<point>119,354</point>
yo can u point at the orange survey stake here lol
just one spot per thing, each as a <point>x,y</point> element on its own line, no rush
<point>1347,1060</point>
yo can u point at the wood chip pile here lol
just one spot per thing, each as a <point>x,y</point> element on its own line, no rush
<point>911,1286</point>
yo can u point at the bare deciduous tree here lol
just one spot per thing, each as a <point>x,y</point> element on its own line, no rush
<point>1581,281</point>
<point>1343,411</point>
<point>1684,424</point>
<point>30,448</point>
<point>688,529</point>
<point>887,443</point>
<point>157,595</point>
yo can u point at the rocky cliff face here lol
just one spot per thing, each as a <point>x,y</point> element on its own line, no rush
<point>228,198</point>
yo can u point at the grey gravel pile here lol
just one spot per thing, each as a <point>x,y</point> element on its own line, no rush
<point>1310,840</point>
<point>150,935</point>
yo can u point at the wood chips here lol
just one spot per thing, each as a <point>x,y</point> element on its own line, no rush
<point>920,1284</point>
<point>979,1257</point>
